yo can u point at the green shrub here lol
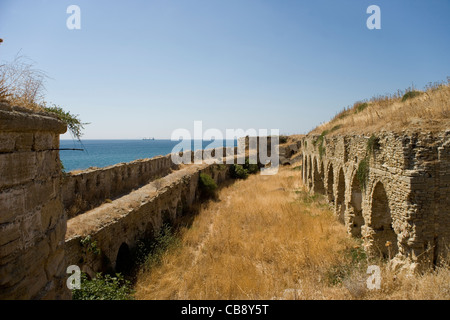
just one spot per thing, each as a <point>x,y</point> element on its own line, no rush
<point>373,144</point>
<point>336,127</point>
<point>88,245</point>
<point>207,186</point>
<point>362,174</point>
<point>319,142</point>
<point>251,167</point>
<point>411,94</point>
<point>103,287</point>
<point>361,106</point>
<point>283,139</point>
<point>149,251</point>
<point>238,172</point>
<point>74,124</point>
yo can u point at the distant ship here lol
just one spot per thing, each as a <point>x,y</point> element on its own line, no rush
<point>149,138</point>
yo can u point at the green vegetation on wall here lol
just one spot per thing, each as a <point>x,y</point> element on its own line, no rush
<point>207,186</point>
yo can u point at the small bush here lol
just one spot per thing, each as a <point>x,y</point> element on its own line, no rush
<point>283,139</point>
<point>359,107</point>
<point>251,167</point>
<point>74,124</point>
<point>362,174</point>
<point>207,186</point>
<point>149,252</point>
<point>103,287</point>
<point>319,142</point>
<point>238,172</point>
<point>322,150</point>
<point>410,95</point>
<point>373,144</point>
<point>336,127</point>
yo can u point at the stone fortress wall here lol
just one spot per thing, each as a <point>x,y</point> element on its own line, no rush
<point>45,214</point>
<point>32,218</point>
<point>400,209</point>
<point>392,190</point>
<point>85,190</point>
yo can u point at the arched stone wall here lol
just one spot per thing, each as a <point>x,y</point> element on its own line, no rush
<point>355,218</point>
<point>383,234</point>
<point>403,200</point>
<point>340,196</point>
<point>310,182</point>
<point>123,263</point>
<point>318,179</point>
<point>330,184</point>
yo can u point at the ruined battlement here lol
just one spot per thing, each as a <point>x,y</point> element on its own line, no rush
<point>32,218</point>
<point>390,189</point>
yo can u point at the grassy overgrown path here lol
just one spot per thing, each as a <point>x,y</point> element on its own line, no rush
<point>266,238</point>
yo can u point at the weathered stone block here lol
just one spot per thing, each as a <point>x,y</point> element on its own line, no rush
<point>48,164</point>
<point>7,141</point>
<point>51,213</point>
<point>44,141</point>
<point>31,229</point>
<point>17,168</point>
<point>12,204</point>
<point>54,262</point>
<point>24,141</point>
<point>9,232</point>
<point>38,193</point>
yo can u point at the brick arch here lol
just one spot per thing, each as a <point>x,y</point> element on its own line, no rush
<point>318,179</point>
<point>355,217</point>
<point>340,198</point>
<point>123,261</point>
<point>330,183</point>
<point>381,223</point>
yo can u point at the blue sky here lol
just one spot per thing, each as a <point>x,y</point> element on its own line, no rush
<point>145,68</point>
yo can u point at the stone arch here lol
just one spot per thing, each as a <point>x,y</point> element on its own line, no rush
<point>318,180</point>
<point>355,217</point>
<point>305,169</point>
<point>322,172</point>
<point>330,184</point>
<point>381,223</point>
<point>309,173</point>
<point>340,201</point>
<point>123,260</point>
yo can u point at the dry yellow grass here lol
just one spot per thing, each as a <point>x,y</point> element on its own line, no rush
<point>430,111</point>
<point>267,239</point>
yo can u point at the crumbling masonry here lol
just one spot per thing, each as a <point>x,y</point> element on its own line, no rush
<point>390,189</point>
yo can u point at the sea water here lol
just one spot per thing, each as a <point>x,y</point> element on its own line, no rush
<point>103,153</point>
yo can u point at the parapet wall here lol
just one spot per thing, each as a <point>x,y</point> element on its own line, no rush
<point>116,227</point>
<point>390,189</point>
<point>85,190</point>
<point>32,219</point>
